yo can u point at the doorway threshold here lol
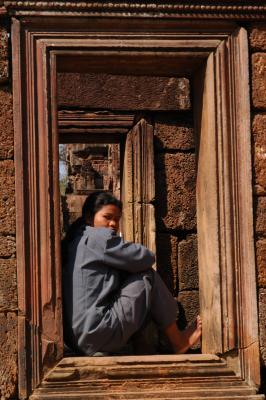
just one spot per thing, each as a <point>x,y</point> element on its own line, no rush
<point>187,376</point>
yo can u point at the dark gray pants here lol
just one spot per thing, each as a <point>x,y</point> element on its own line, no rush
<point>140,295</point>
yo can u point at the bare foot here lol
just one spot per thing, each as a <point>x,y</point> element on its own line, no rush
<point>183,340</point>
<point>194,331</point>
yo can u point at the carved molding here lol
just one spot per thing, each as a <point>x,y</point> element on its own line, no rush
<point>224,172</point>
<point>81,126</point>
<point>138,187</point>
<point>90,119</point>
<point>231,268</point>
<point>165,376</point>
<point>236,9</point>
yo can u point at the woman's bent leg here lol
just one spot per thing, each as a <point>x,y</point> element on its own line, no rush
<point>143,294</point>
<point>164,312</point>
<point>163,305</point>
<point>130,308</point>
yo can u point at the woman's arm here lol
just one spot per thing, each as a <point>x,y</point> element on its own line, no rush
<point>127,256</point>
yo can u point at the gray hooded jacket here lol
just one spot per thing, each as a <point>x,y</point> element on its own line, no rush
<point>97,262</point>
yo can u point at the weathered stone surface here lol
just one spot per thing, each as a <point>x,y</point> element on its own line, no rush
<point>188,276</point>
<point>258,37</point>
<point>123,92</point>
<point>179,211</point>
<point>261,262</point>
<point>188,303</point>
<point>259,80</point>
<point>166,259</point>
<point>6,124</point>
<point>175,178</point>
<point>8,355</point>
<point>261,215</point>
<point>262,324</point>
<point>8,284</point>
<point>4,70</point>
<point>3,43</point>
<point>7,168</point>
<point>7,246</point>
<point>259,150</point>
<point>7,197</point>
<point>173,131</point>
<point>178,170</point>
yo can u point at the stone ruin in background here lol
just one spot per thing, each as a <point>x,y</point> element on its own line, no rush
<point>85,168</point>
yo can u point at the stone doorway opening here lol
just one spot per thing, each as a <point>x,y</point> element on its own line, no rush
<point>150,165</point>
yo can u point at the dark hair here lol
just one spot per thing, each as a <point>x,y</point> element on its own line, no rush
<point>96,200</point>
<point>93,203</point>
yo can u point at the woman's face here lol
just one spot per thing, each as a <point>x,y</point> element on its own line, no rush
<point>107,217</point>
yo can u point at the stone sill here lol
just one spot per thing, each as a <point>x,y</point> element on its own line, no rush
<point>186,376</point>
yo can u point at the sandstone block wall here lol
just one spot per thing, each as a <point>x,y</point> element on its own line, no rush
<point>176,177</point>
<point>122,92</point>
<point>174,147</point>
<point>175,180</point>
<point>8,274</point>
<point>257,36</point>
<point>4,52</point>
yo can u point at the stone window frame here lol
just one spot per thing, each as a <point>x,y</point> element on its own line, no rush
<point>217,56</point>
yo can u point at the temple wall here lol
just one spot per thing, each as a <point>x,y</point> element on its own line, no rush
<point>122,92</point>
<point>175,207</point>
<point>180,262</point>
<point>8,276</point>
<point>257,36</point>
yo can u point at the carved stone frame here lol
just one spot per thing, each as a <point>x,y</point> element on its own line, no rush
<point>217,57</point>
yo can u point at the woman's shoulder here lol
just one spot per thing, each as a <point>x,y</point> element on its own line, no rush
<point>98,234</point>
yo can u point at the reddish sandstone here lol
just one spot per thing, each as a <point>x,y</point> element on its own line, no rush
<point>4,63</point>
<point>261,262</point>
<point>261,215</point>
<point>7,246</point>
<point>175,179</point>
<point>174,132</point>
<point>123,92</point>
<point>262,324</point>
<point>258,37</point>
<point>8,355</point>
<point>166,259</point>
<point>6,124</point>
<point>259,151</point>
<point>188,263</point>
<point>188,307</point>
<point>8,284</point>
<point>259,80</point>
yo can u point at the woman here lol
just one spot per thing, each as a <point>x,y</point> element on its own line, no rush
<point>109,286</point>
